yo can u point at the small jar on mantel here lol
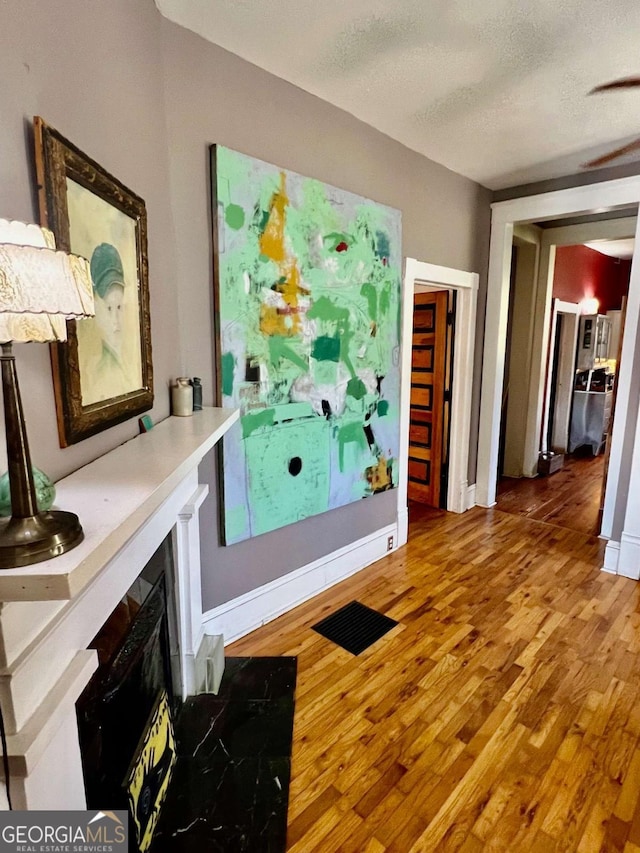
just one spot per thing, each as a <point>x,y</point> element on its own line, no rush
<point>182,397</point>
<point>196,384</point>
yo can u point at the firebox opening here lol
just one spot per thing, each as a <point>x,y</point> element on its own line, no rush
<point>136,647</point>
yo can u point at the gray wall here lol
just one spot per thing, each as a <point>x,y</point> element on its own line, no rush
<point>213,96</point>
<point>93,71</point>
<point>146,99</point>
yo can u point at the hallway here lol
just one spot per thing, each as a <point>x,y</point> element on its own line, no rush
<point>569,498</point>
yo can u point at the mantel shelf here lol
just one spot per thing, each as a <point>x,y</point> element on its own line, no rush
<point>114,496</point>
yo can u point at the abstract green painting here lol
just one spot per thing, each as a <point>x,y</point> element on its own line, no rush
<point>307,281</point>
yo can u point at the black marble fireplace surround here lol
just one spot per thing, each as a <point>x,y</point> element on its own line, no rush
<point>230,787</point>
<point>114,708</point>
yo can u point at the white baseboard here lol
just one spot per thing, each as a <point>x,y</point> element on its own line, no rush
<point>629,559</point>
<point>471,496</point>
<point>403,527</point>
<point>244,614</point>
<point>611,557</point>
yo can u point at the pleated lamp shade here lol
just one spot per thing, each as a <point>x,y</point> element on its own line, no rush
<point>40,288</point>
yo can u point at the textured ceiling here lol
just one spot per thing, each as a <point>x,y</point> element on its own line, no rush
<point>614,248</point>
<point>494,90</point>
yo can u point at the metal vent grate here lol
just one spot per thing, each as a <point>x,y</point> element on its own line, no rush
<point>354,627</point>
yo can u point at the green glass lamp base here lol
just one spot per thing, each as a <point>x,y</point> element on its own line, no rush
<point>24,541</point>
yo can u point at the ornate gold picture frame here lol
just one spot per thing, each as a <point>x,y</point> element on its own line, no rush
<point>103,375</point>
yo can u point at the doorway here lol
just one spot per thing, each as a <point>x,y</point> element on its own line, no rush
<point>587,283</point>
<point>619,520</point>
<point>430,404</point>
<point>422,276</point>
<point>563,340</point>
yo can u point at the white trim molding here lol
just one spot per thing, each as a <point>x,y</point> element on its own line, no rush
<point>403,525</point>
<point>240,616</point>
<point>566,369</point>
<point>421,275</point>
<point>188,587</point>
<point>611,557</point>
<point>471,496</point>
<point>629,558</point>
<point>610,195</point>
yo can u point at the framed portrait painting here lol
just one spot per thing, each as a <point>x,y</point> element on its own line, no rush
<point>103,375</point>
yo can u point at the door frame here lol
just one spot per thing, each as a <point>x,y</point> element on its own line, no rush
<point>581,200</point>
<point>566,368</point>
<point>425,276</point>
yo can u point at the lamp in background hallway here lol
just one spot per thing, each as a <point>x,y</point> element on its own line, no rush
<point>40,288</point>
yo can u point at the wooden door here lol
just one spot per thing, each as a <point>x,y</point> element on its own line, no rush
<point>428,381</point>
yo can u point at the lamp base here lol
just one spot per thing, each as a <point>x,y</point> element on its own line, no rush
<point>24,541</point>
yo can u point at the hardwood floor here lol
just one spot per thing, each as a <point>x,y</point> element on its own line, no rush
<point>502,713</point>
<point>569,497</point>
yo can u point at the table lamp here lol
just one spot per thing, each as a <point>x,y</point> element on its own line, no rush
<point>40,288</point>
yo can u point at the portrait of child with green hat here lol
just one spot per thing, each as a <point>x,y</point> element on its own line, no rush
<point>109,344</point>
<point>108,287</point>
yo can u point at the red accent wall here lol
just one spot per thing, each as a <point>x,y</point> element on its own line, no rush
<point>581,272</point>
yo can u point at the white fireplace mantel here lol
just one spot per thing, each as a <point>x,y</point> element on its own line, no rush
<point>113,497</point>
<point>128,501</point>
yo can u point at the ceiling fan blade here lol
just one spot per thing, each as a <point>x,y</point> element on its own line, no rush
<point>612,155</point>
<point>623,83</point>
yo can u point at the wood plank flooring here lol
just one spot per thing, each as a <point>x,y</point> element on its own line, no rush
<point>569,498</point>
<point>501,714</point>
